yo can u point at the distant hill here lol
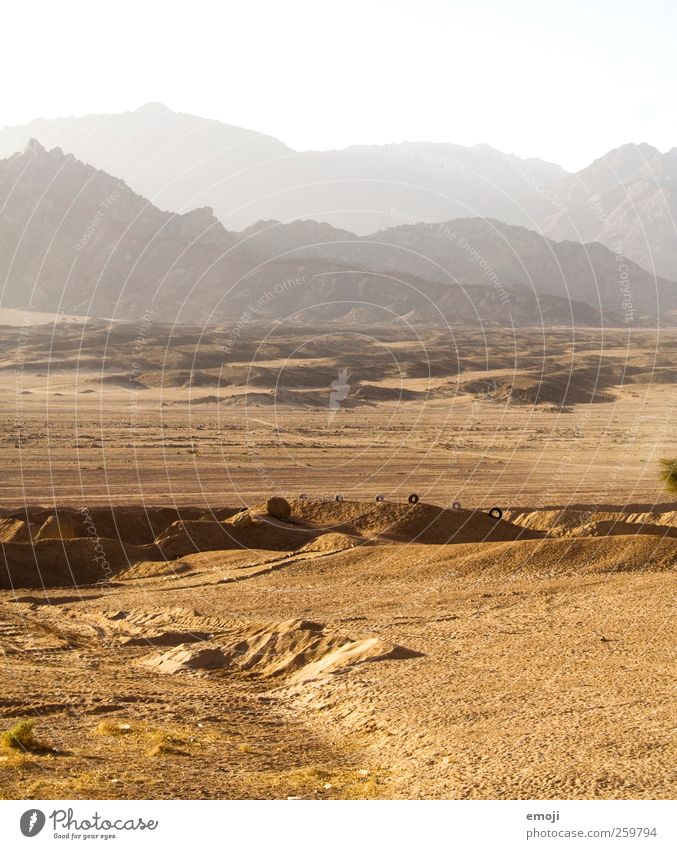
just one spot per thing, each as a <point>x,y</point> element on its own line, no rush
<point>181,161</point>
<point>75,240</point>
<point>474,250</point>
<point>627,200</point>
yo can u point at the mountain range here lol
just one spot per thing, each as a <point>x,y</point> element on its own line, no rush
<point>75,239</point>
<point>625,200</point>
<point>181,162</point>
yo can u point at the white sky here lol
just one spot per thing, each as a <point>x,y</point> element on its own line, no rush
<point>566,81</point>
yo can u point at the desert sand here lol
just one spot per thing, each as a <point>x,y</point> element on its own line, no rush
<point>171,638</point>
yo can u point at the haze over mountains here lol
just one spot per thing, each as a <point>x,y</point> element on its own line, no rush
<point>181,161</point>
<point>625,199</point>
<point>432,232</point>
<point>75,239</point>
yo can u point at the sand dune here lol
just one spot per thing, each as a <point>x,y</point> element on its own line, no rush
<point>61,550</point>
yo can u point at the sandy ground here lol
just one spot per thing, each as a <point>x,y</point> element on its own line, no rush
<point>97,449</point>
<point>531,668</point>
<point>93,416</point>
<point>349,653</point>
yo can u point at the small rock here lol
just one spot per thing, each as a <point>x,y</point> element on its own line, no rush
<point>278,508</point>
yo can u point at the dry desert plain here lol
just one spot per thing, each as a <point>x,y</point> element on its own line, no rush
<point>171,635</point>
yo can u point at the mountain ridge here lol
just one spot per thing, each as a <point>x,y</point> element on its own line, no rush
<point>179,161</point>
<point>78,240</point>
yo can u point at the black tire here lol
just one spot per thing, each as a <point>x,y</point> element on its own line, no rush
<point>413,498</point>
<point>338,498</point>
<point>496,513</point>
<point>456,505</point>
<point>380,498</point>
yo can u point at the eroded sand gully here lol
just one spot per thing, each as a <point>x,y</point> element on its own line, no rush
<point>167,645</point>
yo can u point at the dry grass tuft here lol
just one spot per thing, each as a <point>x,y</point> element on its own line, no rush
<point>163,743</point>
<point>317,782</point>
<point>20,736</point>
<point>108,728</point>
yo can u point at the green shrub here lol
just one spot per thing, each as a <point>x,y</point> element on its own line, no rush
<point>669,474</point>
<point>20,736</point>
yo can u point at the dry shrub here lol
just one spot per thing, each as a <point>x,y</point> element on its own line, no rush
<point>20,736</point>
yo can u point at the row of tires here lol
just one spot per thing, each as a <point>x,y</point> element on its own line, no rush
<point>495,512</point>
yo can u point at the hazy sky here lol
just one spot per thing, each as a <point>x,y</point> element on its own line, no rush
<point>563,80</point>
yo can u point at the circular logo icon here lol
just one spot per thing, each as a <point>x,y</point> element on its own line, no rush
<point>32,822</point>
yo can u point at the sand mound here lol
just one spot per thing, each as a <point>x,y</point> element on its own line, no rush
<point>67,562</point>
<point>135,525</point>
<point>327,543</point>
<point>182,538</point>
<point>241,520</point>
<point>568,522</point>
<point>420,523</point>
<point>123,381</point>
<point>587,385</point>
<point>613,527</point>
<point>56,528</point>
<point>360,651</point>
<point>154,569</point>
<point>554,558</point>
<point>14,530</point>
<point>183,658</point>
<point>297,648</point>
<point>554,522</point>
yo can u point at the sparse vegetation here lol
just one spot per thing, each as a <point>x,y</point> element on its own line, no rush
<point>108,728</point>
<point>163,743</point>
<point>158,741</point>
<point>669,474</point>
<point>20,736</point>
<point>315,782</point>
